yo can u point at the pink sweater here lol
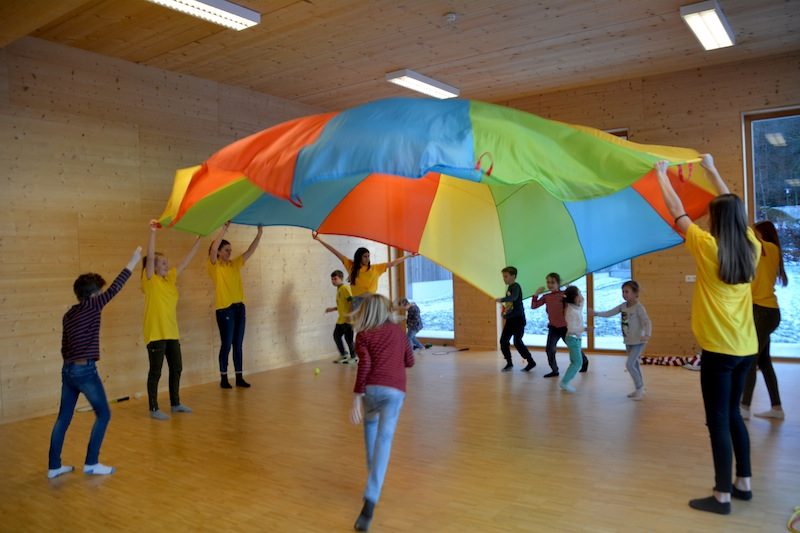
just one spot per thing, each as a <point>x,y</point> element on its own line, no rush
<point>384,353</point>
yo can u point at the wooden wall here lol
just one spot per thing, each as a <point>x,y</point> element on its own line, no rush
<point>88,150</point>
<point>698,108</point>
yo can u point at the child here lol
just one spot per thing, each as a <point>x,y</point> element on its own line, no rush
<point>514,315</point>
<point>384,354</point>
<point>226,273</point>
<point>80,348</point>
<point>636,331</point>
<point>556,326</point>
<point>413,323</point>
<point>573,305</point>
<point>159,285</point>
<point>343,328</point>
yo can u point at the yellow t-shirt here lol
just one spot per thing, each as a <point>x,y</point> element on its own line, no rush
<point>160,306</point>
<point>367,280</point>
<point>722,314</point>
<point>344,298</point>
<point>227,279</point>
<point>763,287</point>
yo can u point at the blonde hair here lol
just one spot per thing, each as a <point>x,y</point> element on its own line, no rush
<point>374,311</point>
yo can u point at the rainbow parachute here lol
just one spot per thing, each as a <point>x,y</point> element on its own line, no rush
<point>472,186</point>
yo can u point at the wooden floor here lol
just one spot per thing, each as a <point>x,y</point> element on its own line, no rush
<point>475,450</point>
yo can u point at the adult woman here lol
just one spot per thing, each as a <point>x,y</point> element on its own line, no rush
<point>229,302</point>
<point>722,322</point>
<point>767,317</point>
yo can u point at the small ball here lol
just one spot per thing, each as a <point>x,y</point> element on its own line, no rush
<point>316,371</point>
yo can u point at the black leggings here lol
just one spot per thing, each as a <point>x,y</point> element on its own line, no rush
<point>721,381</point>
<point>344,330</point>
<point>157,350</point>
<point>767,320</point>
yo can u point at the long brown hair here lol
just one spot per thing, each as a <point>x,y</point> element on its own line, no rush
<point>736,254</point>
<point>357,264</point>
<point>766,232</point>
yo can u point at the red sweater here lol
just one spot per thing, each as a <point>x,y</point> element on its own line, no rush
<point>384,353</point>
<point>554,302</point>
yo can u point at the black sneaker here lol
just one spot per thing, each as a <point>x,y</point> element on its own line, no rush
<point>553,374</point>
<point>508,368</point>
<point>529,366</point>
<point>585,366</point>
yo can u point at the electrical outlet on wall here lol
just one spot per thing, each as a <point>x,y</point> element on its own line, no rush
<point>690,278</point>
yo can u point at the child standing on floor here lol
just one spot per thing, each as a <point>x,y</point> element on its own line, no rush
<point>159,285</point>
<point>556,326</point>
<point>80,348</point>
<point>343,328</point>
<point>380,389</point>
<point>636,331</point>
<point>413,323</point>
<point>514,315</point>
<point>573,315</point>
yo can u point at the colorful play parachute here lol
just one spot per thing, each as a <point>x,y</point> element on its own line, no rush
<point>472,186</point>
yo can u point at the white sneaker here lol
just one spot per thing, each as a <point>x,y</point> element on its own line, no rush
<point>632,394</point>
<point>772,413</point>
<point>351,361</point>
<point>745,412</point>
<point>638,395</point>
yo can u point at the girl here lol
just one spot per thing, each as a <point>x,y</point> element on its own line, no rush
<point>363,275</point>
<point>556,326</point>
<point>722,322</point>
<point>159,285</point>
<point>636,331</point>
<point>383,356</point>
<point>573,316</point>
<point>767,317</point>
<point>80,348</point>
<point>229,302</point>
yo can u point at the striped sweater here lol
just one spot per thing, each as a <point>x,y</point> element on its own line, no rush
<point>384,353</point>
<point>81,337</point>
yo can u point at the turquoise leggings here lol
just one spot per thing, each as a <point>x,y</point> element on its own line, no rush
<point>575,358</point>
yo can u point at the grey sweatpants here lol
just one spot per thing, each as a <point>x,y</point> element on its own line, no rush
<point>634,354</point>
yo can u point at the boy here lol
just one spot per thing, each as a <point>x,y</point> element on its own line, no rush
<point>514,316</point>
<point>80,348</point>
<point>413,323</point>
<point>343,328</point>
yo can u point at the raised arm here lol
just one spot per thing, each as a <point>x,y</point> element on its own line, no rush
<point>212,251</point>
<point>707,162</point>
<point>606,314</point>
<point>188,258</point>
<point>399,260</point>
<point>343,258</point>
<point>253,245</point>
<point>151,250</point>
<point>674,204</point>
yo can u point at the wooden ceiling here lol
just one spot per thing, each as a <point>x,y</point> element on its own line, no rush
<point>334,53</point>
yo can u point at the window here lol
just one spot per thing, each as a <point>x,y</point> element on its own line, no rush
<point>431,288</point>
<point>607,294</point>
<point>773,149</point>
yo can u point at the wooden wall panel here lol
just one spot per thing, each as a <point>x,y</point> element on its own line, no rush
<point>90,146</point>
<point>698,108</point>
<point>476,317</point>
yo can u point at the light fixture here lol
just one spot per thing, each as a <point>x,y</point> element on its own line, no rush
<point>423,84</point>
<point>775,139</point>
<point>709,24</point>
<point>219,12</point>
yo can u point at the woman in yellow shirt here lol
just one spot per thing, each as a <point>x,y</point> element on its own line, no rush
<point>229,302</point>
<point>722,322</point>
<point>159,285</point>
<point>767,317</point>
<point>363,275</point>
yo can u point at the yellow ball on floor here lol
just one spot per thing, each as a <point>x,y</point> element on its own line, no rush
<point>316,371</point>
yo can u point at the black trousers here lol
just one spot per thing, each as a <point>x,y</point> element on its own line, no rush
<point>722,381</point>
<point>514,327</point>
<point>157,350</point>
<point>344,331</point>
<point>553,335</point>
<point>767,320</point>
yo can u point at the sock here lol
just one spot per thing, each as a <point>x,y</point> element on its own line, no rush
<point>55,472</point>
<point>180,408</point>
<point>98,469</point>
<point>158,414</point>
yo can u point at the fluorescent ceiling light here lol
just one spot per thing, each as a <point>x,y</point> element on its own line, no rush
<point>793,182</point>
<point>775,139</point>
<point>423,84</point>
<point>709,24</point>
<point>219,12</point>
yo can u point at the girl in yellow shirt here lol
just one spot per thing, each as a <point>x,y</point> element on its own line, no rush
<point>363,275</point>
<point>767,317</point>
<point>229,302</point>
<point>161,323</point>
<point>722,322</point>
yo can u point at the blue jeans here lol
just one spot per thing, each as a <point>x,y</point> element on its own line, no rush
<point>76,379</point>
<point>575,358</point>
<point>231,321</point>
<point>412,339</point>
<point>382,407</point>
